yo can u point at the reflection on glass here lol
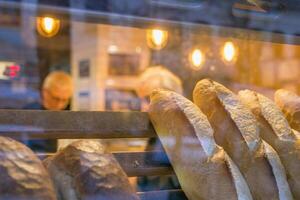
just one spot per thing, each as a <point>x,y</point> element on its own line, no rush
<point>229,52</point>
<point>197,59</point>
<point>48,26</point>
<point>113,49</point>
<point>157,39</point>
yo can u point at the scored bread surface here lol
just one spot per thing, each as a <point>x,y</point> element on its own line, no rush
<point>205,134</point>
<point>275,118</point>
<point>241,186</point>
<point>22,174</point>
<point>289,103</point>
<point>279,172</point>
<point>242,117</point>
<point>199,122</point>
<point>277,132</point>
<point>264,107</point>
<point>85,171</point>
<point>203,168</point>
<point>237,130</point>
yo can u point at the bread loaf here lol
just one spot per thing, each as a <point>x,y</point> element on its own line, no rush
<point>276,131</point>
<point>22,174</point>
<point>237,131</point>
<point>85,171</point>
<point>289,103</point>
<point>204,169</point>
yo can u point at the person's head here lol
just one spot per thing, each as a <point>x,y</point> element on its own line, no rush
<point>157,77</point>
<point>57,90</point>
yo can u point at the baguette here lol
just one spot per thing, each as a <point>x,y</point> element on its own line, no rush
<point>289,103</point>
<point>277,132</point>
<point>84,171</point>
<point>237,131</point>
<point>204,169</point>
<point>22,174</point>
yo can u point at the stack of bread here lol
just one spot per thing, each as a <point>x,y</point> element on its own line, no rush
<point>289,103</point>
<point>276,131</point>
<point>22,174</point>
<point>221,146</point>
<point>83,170</point>
<point>227,146</point>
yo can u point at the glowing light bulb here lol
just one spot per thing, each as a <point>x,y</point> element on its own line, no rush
<point>156,38</point>
<point>229,52</point>
<point>113,49</point>
<point>197,59</point>
<point>48,26</point>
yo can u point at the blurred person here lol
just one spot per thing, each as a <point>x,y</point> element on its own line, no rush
<point>157,77</point>
<point>154,78</point>
<point>57,90</point>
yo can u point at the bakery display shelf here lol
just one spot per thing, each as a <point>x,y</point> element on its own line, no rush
<point>36,124</point>
<point>162,194</point>
<point>33,124</point>
<point>145,163</point>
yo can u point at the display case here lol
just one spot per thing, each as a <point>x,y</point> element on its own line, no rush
<point>149,99</point>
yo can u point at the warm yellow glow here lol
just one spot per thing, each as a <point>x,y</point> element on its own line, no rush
<point>48,26</point>
<point>157,39</point>
<point>197,58</point>
<point>113,49</point>
<point>229,52</point>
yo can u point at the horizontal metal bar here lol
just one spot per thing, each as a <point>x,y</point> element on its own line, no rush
<point>37,124</point>
<point>148,163</point>
<point>163,195</point>
<point>144,163</point>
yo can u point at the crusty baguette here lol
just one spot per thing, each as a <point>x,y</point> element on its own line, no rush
<point>296,133</point>
<point>85,171</point>
<point>237,131</point>
<point>276,131</point>
<point>204,169</point>
<point>22,174</point>
<point>289,103</point>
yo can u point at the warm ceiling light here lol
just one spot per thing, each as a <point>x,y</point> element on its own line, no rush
<point>197,59</point>
<point>157,39</point>
<point>113,49</point>
<point>48,26</point>
<point>229,52</point>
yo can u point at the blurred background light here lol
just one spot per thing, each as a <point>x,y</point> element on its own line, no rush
<point>229,52</point>
<point>157,39</point>
<point>112,49</point>
<point>48,26</point>
<point>197,59</point>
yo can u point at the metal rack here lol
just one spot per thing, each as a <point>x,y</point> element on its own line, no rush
<point>36,124</point>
